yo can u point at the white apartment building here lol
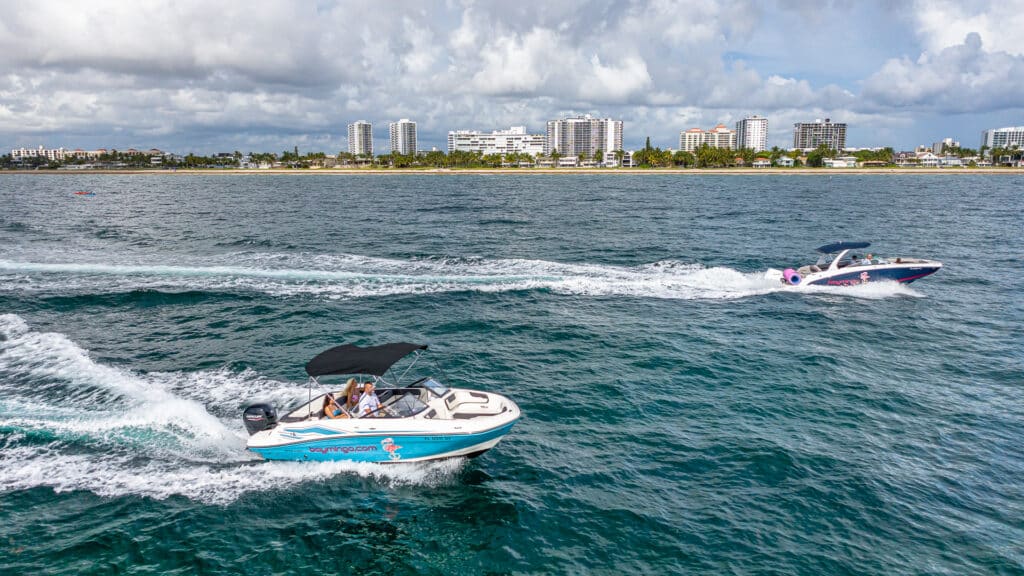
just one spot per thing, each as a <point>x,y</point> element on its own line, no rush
<point>583,135</point>
<point>403,136</point>
<point>1003,137</point>
<point>721,137</point>
<point>718,137</point>
<point>515,139</point>
<point>690,140</point>
<point>945,142</point>
<point>360,138</point>
<point>752,132</point>
<point>810,135</point>
<point>52,154</point>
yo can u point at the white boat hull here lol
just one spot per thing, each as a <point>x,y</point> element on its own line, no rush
<point>475,423</point>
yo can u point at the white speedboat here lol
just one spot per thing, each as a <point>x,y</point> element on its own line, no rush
<point>423,420</point>
<point>839,265</point>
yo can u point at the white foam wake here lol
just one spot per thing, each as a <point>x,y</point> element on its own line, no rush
<point>70,423</point>
<point>352,276</point>
<point>24,467</point>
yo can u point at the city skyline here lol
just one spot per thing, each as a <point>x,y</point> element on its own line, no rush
<point>271,76</point>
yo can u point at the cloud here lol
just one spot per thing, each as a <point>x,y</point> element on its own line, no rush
<point>265,42</point>
<point>185,75</point>
<point>512,65</point>
<point>944,23</point>
<point>957,79</point>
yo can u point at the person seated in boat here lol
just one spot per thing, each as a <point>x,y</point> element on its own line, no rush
<point>867,260</point>
<point>351,397</point>
<point>332,409</point>
<point>368,402</point>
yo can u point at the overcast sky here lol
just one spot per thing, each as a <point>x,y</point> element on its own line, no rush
<point>184,75</point>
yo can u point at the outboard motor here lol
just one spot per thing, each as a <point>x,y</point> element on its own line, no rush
<point>259,417</point>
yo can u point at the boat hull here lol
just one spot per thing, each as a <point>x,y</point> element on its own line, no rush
<point>904,272</point>
<point>385,447</point>
<point>867,274</point>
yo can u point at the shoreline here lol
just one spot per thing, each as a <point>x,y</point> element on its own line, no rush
<point>534,171</point>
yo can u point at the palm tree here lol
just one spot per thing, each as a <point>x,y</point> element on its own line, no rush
<point>555,156</point>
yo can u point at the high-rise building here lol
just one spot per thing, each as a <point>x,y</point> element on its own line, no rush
<point>810,135</point>
<point>360,138</point>
<point>690,140</point>
<point>584,135</point>
<point>945,143</point>
<point>515,139</point>
<point>403,136</point>
<point>752,132</point>
<point>718,137</point>
<point>1003,137</point>
<point>721,137</point>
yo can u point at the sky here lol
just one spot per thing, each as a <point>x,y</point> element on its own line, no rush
<point>199,76</point>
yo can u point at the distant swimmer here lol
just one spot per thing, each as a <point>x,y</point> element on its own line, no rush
<point>84,193</point>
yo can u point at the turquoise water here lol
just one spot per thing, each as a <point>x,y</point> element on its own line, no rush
<point>681,413</point>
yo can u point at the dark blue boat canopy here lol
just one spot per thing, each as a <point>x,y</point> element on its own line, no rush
<point>840,246</point>
<point>352,359</point>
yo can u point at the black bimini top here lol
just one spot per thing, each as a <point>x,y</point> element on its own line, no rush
<point>352,359</point>
<point>839,246</point>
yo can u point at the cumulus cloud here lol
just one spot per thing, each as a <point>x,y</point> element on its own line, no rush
<point>512,65</point>
<point>956,79</point>
<point>184,76</point>
<point>944,23</point>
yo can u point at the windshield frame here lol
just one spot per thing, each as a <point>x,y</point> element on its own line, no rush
<point>393,409</point>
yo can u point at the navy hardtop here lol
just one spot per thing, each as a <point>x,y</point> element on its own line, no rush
<point>840,246</point>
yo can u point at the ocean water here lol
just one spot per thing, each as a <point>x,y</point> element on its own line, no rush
<point>681,413</point>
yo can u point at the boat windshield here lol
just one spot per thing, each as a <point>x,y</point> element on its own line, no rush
<point>407,405</point>
<point>826,260</point>
<point>434,386</point>
<point>398,403</point>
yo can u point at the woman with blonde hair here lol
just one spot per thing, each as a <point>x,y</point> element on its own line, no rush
<point>351,394</point>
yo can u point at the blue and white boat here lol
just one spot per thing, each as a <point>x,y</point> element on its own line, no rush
<point>423,420</point>
<point>840,265</point>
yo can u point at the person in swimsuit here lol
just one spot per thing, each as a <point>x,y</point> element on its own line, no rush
<point>351,394</point>
<point>332,409</point>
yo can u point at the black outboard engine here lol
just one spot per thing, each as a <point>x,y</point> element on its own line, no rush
<point>259,417</point>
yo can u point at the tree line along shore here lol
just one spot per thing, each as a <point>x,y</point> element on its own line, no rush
<point>645,159</point>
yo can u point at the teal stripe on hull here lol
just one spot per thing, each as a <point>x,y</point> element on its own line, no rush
<point>380,447</point>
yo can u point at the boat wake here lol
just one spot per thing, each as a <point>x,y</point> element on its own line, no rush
<point>352,276</point>
<point>70,423</point>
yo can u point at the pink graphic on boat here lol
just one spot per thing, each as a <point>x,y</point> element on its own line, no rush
<point>864,276</point>
<point>391,448</point>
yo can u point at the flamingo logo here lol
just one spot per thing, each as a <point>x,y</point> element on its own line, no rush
<point>864,277</point>
<point>391,448</point>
